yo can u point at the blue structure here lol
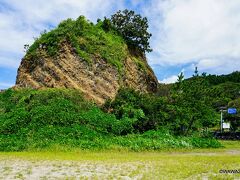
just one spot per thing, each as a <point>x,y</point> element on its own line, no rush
<point>232,111</point>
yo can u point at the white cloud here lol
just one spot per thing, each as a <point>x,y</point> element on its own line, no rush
<point>56,10</point>
<point>20,21</point>
<point>9,62</point>
<point>205,64</point>
<point>189,31</point>
<point>201,32</point>
<point>218,65</point>
<point>5,85</point>
<point>168,80</point>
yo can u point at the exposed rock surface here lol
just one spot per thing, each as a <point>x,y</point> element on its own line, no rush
<point>98,80</point>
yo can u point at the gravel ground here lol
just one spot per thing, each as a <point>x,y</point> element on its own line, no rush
<point>171,165</point>
<point>23,169</point>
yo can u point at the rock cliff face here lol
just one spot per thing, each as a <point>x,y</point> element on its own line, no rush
<point>98,79</point>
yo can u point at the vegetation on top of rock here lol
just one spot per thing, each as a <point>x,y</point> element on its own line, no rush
<point>108,39</point>
<point>94,58</point>
<point>87,40</point>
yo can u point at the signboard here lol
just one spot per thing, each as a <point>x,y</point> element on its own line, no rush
<point>232,111</point>
<point>226,125</point>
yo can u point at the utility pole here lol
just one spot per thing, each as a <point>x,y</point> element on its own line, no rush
<point>221,120</point>
<point>223,109</point>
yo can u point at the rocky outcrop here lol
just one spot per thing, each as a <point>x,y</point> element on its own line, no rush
<point>97,80</point>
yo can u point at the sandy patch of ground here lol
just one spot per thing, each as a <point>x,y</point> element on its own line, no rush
<point>204,164</point>
<point>23,169</point>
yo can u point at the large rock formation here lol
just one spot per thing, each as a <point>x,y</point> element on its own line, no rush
<point>99,80</point>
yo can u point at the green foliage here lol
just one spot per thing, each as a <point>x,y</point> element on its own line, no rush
<point>215,79</point>
<point>133,28</point>
<point>140,64</point>
<point>81,137</point>
<point>190,106</point>
<point>44,119</point>
<point>107,25</point>
<point>87,40</point>
<point>180,81</point>
<point>235,118</point>
<point>150,112</point>
<point>221,94</point>
<point>199,98</point>
<point>186,110</point>
<point>53,107</point>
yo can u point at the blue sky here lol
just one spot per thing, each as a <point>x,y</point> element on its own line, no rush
<point>186,33</point>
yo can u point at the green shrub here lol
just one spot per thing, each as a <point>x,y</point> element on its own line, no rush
<point>87,40</point>
<point>50,118</point>
<point>149,111</point>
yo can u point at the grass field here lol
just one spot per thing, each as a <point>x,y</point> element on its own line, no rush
<point>177,164</point>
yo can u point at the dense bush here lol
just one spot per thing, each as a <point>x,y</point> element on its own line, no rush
<point>53,107</point>
<point>149,111</point>
<point>82,137</point>
<point>184,111</point>
<point>61,118</point>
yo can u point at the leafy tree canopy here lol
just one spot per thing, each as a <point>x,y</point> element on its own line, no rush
<point>134,28</point>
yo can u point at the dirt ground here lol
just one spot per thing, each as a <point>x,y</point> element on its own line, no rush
<point>197,164</point>
<point>22,169</point>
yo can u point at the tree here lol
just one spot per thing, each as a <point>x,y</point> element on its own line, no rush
<point>179,81</point>
<point>180,77</point>
<point>106,24</point>
<point>204,74</point>
<point>133,28</point>
<point>191,109</point>
<point>147,110</point>
<point>234,119</point>
<point>196,72</point>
